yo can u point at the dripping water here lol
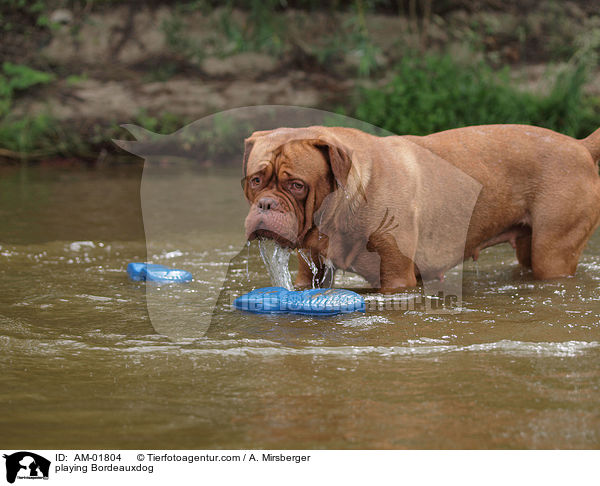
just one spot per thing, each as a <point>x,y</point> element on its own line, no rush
<point>276,259</point>
<point>313,268</point>
<point>247,260</point>
<point>328,274</point>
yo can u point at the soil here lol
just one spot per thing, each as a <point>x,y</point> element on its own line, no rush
<point>126,62</point>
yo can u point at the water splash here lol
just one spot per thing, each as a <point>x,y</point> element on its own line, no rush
<point>328,274</point>
<point>247,261</point>
<point>276,259</point>
<point>313,268</point>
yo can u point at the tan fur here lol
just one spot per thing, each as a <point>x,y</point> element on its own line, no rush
<point>396,208</point>
<point>592,143</point>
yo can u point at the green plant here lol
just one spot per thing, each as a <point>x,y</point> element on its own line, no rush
<point>165,123</point>
<point>163,71</point>
<point>74,79</point>
<point>435,93</point>
<point>173,28</point>
<point>217,138</point>
<point>39,135</point>
<point>16,78</point>
<point>352,38</point>
<point>35,10</point>
<point>225,137</point>
<point>261,31</point>
<point>24,133</point>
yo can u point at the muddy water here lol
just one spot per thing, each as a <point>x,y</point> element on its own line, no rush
<point>84,367</point>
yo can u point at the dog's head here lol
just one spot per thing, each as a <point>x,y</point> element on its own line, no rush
<point>288,174</point>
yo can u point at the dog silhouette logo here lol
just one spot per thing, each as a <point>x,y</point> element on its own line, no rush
<point>25,464</point>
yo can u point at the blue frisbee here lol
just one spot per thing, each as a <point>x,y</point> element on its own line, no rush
<point>319,302</point>
<point>140,272</point>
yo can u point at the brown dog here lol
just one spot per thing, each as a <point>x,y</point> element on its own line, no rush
<point>396,208</point>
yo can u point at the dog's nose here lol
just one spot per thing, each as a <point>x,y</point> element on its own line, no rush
<point>267,203</point>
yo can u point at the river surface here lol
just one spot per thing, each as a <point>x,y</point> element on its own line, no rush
<point>85,364</point>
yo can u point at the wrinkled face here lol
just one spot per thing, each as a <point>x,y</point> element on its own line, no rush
<point>285,188</point>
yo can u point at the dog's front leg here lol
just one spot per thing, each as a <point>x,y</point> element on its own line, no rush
<point>396,269</point>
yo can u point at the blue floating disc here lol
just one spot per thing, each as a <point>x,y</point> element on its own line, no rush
<point>321,302</point>
<point>139,272</point>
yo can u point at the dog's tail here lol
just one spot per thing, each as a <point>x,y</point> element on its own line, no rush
<point>592,143</point>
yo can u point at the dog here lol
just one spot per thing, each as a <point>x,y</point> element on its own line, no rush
<point>29,463</point>
<point>400,208</point>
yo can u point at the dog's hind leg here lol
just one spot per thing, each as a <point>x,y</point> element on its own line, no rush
<point>554,258</point>
<point>558,240</point>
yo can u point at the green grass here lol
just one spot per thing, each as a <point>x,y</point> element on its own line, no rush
<point>425,95</point>
<point>24,133</point>
<point>16,79</point>
<point>435,93</point>
<point>218,138</point>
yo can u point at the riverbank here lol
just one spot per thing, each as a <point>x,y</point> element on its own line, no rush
<point>90,68</point>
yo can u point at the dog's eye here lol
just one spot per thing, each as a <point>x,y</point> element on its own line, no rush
<point>255,181</point>
<point>297,186</point>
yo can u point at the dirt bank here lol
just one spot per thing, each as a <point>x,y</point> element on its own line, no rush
<point>126,63</point>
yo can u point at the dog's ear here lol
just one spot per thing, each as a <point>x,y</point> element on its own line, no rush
<point>345,171</point>
<point>248,146</point>
<point>339,208</point>
<point>339,160</point>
